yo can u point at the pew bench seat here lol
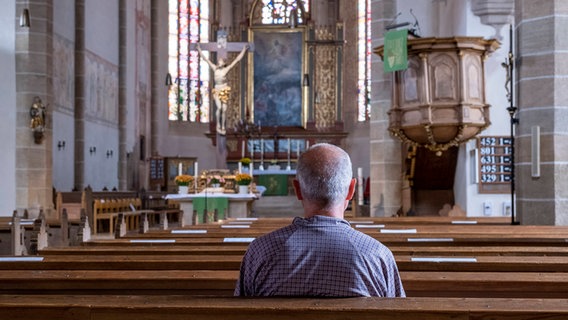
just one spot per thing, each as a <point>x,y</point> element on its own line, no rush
<point>178,307</point>
<point>222,283</point>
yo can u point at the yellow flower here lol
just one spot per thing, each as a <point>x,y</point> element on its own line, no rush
<point>245,161</point>
<point>243,179</point>
<point>184,180</point>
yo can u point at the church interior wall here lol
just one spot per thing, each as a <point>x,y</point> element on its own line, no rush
<point>7,105</point>
<point>369,143</point>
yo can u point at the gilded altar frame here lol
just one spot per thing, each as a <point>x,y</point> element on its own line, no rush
<point>280,54</point>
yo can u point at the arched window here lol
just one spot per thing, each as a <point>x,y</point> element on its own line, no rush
<point>188,78</point>
<point>283,11</point>
<point>364,52</point>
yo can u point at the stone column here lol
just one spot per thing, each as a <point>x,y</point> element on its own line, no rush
<point>386,175</point>
<point>80,95</point>
<point>34,73</point>
<point>122,108</point>
<point>542,96</point>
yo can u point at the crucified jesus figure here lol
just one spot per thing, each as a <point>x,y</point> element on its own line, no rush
<point>221,90</point>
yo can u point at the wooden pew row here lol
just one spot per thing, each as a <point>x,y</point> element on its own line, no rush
<point>222,283</point>
<point>422,220</point>
<point>374,228</point>
<point>177,307</point>
<point>232,262</point>
<point>235,249</point>
<point>104,205</point>
<point>388,240</point>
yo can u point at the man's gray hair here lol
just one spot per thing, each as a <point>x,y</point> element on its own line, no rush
<point>324,173</point>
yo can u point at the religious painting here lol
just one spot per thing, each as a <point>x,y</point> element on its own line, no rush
<point>276,76</point>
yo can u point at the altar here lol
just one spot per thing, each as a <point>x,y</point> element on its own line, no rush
<point>276,182</point>
<point>228,205</point>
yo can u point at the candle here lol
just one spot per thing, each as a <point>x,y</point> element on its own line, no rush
<point>261,148</point>
<point>243,149</point>
<point>251,167</point>
<point>196,176</point>
<point>288,148</point>
<point>307,144</point>
<point>180,169</point>
<point>298,149</point>
<point>240,167</point>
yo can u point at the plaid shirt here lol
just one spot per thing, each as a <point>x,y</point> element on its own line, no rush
<point>319,256</point>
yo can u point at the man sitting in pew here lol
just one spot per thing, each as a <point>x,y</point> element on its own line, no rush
<point>320,254</point>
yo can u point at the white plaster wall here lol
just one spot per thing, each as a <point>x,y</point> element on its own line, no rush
<point>101,25</point>
<point>8,107</point>
<point>64,18</point>
<point>102,170</point>
<point>63,158</point>
<point>62,116</point>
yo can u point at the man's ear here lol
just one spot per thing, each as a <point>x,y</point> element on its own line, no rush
<point>297,189</point>
<point>351,191</point>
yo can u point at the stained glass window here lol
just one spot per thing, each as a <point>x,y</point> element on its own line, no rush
<point>278,11</point>
<point>364,59</point>
<point>188,94</point>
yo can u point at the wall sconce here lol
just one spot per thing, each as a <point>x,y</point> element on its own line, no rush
<point>60,145</point>
<point>109,153</point>
<point>168,80</point>
<point>37,122</point>
<point>25,18</point>
<point>92,150</point>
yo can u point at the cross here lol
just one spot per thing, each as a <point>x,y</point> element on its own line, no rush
<point>222,46</point>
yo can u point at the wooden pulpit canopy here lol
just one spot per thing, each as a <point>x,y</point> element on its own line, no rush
<point>439,100</point>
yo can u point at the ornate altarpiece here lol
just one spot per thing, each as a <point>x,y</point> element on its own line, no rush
<point>300,99</point>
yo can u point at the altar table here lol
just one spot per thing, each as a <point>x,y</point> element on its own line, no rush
<point>228,205</point>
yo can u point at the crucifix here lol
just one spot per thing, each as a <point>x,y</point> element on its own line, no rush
<point>222,90</point>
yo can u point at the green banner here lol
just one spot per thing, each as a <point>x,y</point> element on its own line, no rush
<point>395,53</point>
<point>200,204</point>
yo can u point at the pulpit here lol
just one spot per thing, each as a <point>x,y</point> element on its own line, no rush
<point>438,102</point>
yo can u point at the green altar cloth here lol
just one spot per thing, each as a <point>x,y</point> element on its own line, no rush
<point>276,184</point>
<point>200,204</point>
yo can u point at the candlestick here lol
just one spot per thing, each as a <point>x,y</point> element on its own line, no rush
<point>180,169</point>
<point>360,186</point>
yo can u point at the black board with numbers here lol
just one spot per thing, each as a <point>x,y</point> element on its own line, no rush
<point>495,164</point>
<point>157,173</point>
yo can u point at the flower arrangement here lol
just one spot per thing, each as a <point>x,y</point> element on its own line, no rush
<point>243,179</point>
<point>215,179</point>
<point>245,161</point>
<point>184,180</point>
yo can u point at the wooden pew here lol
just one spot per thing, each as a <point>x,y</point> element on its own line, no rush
<point>222,283</point>
<point>232,262</point>
<point>177,307</point>
<point>239,249</point>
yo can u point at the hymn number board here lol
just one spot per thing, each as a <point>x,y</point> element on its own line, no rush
<point>494,163</point>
